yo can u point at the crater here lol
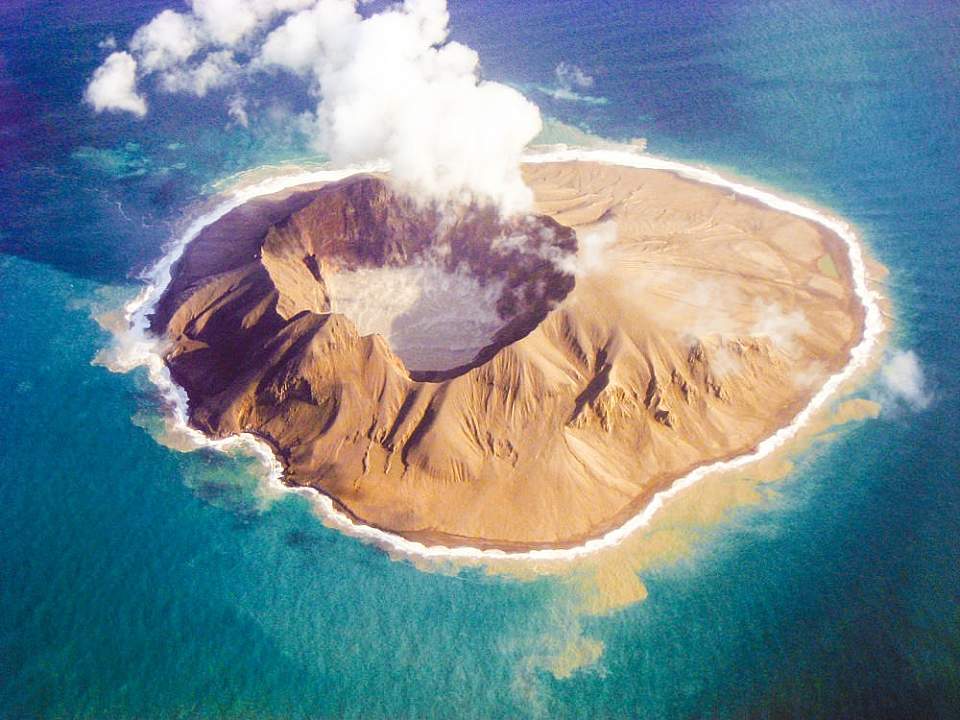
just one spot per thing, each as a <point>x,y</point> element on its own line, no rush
<point>433,319</point>
<point>445,286</point>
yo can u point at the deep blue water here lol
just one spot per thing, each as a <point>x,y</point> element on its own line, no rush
<point>138,582</point>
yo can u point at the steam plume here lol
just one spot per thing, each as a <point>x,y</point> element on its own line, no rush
<point>390,86</point>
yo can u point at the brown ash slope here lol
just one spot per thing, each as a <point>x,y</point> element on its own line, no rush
<point>707,326</point>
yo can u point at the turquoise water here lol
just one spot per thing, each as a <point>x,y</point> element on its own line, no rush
<point>139,582</point>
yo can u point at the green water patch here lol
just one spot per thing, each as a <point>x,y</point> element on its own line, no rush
<point>826,266</point>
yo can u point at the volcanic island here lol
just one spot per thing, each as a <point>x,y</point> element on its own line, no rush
<point>462,379</point>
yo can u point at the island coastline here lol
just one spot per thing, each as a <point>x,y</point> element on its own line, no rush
<point>644,508</point>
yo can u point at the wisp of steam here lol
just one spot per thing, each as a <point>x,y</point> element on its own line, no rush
<point>390,86</point>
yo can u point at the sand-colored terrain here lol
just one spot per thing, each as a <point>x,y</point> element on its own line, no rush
<point>689,324</point>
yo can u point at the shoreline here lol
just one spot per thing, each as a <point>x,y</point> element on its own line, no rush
<point>139,348</point>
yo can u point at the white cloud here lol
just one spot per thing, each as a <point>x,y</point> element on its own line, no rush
<point>571,76</point>
<point>811,375</point>
<point>170,38</point>
<point>780,326</point>
<point>724,361</point>
<point>108,43</point>
<point>229,22</point>
<point>903,378</point>
<point>237,110</point>
<point>570,81</point>
<point>390,86</point>
<point>113,86</point>
<point>568,94</point>
<point>593,245</point>
<point>310,38</point>
<point>216,70</point>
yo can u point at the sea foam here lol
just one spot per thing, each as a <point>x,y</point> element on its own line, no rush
<point>137,347</point>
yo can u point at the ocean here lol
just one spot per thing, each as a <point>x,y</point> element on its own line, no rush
<point>137,581</point>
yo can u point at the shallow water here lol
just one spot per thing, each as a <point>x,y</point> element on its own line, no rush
<point>136,581</point>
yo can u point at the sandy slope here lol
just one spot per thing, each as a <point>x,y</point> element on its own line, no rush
<point>698,323</point>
